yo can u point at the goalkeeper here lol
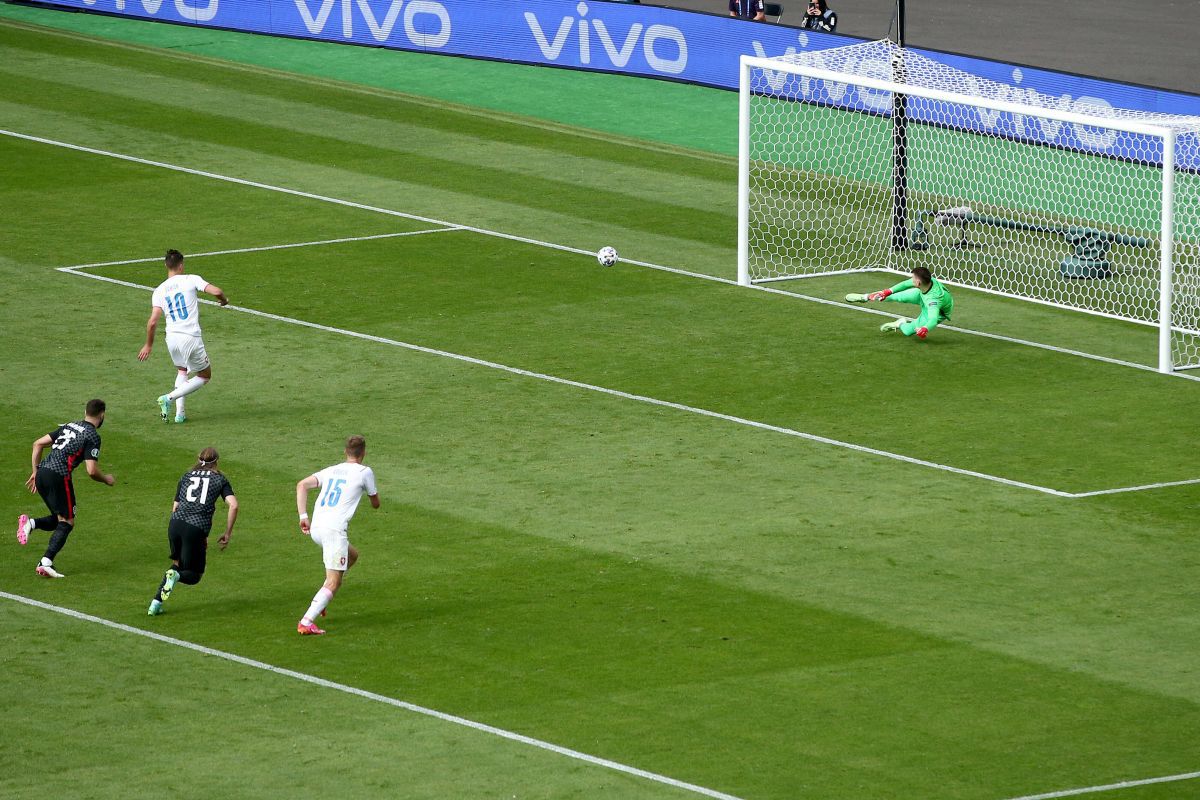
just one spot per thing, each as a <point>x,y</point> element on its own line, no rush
<point>921,290</point>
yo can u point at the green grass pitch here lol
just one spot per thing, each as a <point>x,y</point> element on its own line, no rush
<point>726,604</point>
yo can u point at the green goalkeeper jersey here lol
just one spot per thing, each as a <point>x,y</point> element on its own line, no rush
<point>936,304</point>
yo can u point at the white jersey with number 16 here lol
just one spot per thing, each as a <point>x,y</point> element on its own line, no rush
<point>342,486</point>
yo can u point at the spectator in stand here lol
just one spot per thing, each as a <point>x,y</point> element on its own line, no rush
<point>820,17</point>
<point>748,9</point>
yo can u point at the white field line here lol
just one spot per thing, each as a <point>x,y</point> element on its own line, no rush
<point>812,437</point>
<point>1142,488</point>
<point>564,248</point>
<point>1109,787</point>
<point>269,247</point>
<point>378,698</point>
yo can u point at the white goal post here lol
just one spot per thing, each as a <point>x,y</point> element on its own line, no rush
<point>875,158</point>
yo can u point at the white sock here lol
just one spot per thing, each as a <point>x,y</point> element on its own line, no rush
<point>180,380</point>
<point>47,562</point>
<point>320,600</point>
<point>190,385</point>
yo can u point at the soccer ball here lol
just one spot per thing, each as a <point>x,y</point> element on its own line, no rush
<point>607,256</point>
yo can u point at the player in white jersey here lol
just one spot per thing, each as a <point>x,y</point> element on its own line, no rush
<point>342,486</point>
<point>175,298</point>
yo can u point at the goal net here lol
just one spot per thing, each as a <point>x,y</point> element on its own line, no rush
<point>872,157</point>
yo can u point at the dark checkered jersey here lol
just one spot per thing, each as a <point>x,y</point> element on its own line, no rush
<point>197,496</point>
<point>71,443</point>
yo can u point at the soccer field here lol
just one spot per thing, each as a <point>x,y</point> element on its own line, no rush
<point>645,533</point>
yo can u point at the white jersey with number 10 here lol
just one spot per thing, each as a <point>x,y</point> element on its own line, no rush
<point>176,296</point>
<point>342,486</point>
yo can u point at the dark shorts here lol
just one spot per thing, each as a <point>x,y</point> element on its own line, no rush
<point>57,491</point>
<point>189,545</point>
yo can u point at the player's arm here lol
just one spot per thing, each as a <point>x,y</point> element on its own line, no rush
<point>370,488</point>
<point>230,517</point>
<point>93,471</point>
<point>38,446</point>
<point>886,293</point>
<point>302,489</point>
<point>151,327</point>
<point>217,292</point>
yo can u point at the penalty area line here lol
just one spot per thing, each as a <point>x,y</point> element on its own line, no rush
<point>560,247</point>
<point>378,698</point>
<point>1108,787</point>
<point>264,248</point>
<point>1143,488</point>
<point>654,401</point>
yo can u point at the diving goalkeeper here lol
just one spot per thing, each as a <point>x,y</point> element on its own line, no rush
<point>921,290</point>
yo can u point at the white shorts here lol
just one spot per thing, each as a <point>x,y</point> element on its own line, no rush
<point>187,352</point>
<point>335,547</point>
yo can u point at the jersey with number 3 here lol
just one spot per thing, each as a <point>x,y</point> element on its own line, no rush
<point>71,443</point>
<point>176,296</point>
<point>342,486</point>
<point>197,497</point>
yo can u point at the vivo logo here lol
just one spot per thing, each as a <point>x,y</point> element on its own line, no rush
<point>1024,126</point>
<point>664,47</point>
<point>1098,138</point>
<point>189,12</point>
<point>381,29</point>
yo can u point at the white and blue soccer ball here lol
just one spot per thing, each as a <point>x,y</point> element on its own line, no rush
<point>607,256</point>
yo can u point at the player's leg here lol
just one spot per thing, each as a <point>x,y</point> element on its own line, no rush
<point>59,495</point>
<point>911,296</point>
<point>336,554</point>
<point>194,558</point>
<point>27,524</point>
<point>175,541</point>
<point>181,376</point>
<point>190,357</point>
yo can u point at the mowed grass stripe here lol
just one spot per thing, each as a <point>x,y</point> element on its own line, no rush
<point>396,127</point>
<point>274,737</point>
<point>424,161</point>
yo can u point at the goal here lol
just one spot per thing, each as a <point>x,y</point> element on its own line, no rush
<point>875,158</point>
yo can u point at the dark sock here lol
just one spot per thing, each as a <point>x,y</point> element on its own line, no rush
<point>161,584</point>
<point>47,523</point>
<point>57,539</point>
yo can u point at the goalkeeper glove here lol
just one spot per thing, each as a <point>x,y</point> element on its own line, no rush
<point>894,325</point>
<point>856,298</point>
<point>922,332</point>
<point>879,295</point>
